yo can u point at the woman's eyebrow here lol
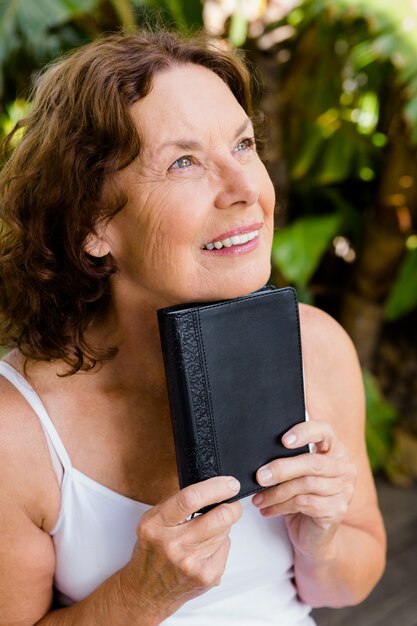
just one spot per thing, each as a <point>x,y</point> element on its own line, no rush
<point>190,144</point>
<point>243,127</point>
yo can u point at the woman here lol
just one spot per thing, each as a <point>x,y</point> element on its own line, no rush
<point>137,185</point>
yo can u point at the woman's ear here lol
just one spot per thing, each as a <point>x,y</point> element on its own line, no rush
<point>96,245</point>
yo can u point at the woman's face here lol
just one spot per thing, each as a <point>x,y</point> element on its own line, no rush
<point>198,223</point>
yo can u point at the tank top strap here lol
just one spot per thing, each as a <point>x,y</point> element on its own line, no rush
<point>32,398</point>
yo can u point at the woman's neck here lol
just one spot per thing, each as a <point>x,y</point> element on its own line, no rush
<point>133,330</point>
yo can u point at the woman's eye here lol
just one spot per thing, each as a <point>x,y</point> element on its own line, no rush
<point>182,163</point>
<point>245,144</point>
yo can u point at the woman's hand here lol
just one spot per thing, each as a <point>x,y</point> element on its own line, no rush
<point>174,559</point>
<point>312,490</point>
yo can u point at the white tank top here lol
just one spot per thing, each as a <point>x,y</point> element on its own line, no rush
<point>95,535</point>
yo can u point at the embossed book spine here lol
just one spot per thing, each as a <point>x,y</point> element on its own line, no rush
<point>192,425</point>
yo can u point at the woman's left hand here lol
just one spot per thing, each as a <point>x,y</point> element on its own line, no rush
<point>312,490</point>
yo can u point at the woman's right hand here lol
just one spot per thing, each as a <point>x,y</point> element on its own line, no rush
<point>175,560</point>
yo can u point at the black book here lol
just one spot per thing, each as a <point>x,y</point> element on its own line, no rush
<point>235,383</point>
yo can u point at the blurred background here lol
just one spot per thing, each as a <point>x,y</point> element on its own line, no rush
<point>337,82</point>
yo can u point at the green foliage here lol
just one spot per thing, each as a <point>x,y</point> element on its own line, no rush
<point>298,248</point>
<point>238,29</point>
<point>14,112</point>
<point>381,417</point>
<point>338,99</point>
<point>403,296</point>
<point>352,67</point>
<point>34,31</point>
<point>183,14</point>
<point>186,14</point>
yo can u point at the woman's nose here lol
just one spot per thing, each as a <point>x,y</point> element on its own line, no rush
<point>239,186</point>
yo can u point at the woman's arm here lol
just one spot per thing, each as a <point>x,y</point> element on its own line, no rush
<point>329,497</point>
<point>174,560</point>
<point>171,563</point>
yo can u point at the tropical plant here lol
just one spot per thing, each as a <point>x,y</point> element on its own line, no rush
<point>345,83</point>
<point>32,32</point>
<point>381,418</point>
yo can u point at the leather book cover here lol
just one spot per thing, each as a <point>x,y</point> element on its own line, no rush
<point>235,383</point>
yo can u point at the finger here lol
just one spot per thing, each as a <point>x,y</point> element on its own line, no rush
<point>179,507</point>
<point>316,485</point>
<point>215,523</point>
<point>327,509</point>
<point>204,535</point>
<point>206,548</point>
<point>208,569</point>
<point>310,464</point>
<point>216,562</point>
<point>321,434</point>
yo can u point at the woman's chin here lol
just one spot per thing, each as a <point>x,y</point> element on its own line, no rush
<point>228,289</point>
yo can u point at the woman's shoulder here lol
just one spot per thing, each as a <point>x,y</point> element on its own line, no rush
<point>324,339</point>
<point>333,378</point>
<point>15,412</point>
<point>16,415</point>
<point>24,457</point>
<point>28,503</point>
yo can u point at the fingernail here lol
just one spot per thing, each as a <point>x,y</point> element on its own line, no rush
<point>289,440</point>
<point>264,476</point>
<point>234,485</point>
<point>258,499</point>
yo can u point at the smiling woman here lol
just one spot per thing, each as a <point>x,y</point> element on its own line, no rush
<point>177,202</point>
<point>137,185</point>
<point>68,163</point>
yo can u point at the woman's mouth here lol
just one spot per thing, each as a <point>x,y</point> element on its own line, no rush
<point>234,240</point>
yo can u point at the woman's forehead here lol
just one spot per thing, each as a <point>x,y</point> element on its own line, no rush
<point>185,102</point>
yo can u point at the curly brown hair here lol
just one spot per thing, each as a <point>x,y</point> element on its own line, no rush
<point>59,183</point>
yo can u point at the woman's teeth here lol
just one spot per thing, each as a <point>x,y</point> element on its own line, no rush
<point>234,240</point>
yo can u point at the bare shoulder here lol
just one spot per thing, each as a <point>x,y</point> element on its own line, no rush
<point>24,454</point>
<point>333,378</point>
<point>28,497</point>
<point>324,338</point>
